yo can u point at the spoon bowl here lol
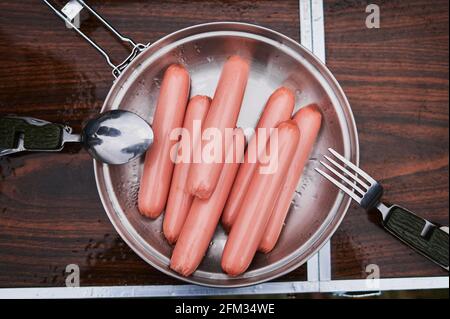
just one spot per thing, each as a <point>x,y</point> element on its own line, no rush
<point>117,137</point>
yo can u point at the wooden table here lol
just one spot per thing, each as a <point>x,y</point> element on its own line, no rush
<point>396,79</point>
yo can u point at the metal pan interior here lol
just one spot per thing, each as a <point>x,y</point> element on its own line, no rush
<point>317,207</point>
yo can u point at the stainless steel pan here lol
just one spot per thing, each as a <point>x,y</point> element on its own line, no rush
<point>317,208</point>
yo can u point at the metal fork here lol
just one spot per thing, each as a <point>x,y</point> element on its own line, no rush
<point>420,234</point>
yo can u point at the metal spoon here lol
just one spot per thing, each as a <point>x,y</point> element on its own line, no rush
<point>114,137</point>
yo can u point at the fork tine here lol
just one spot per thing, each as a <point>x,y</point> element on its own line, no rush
<point>346,171</point>
<point>353,166</point>
<point>350,183</point>
<point>340,186</point>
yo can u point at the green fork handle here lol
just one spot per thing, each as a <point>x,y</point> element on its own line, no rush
<point>426,238</point>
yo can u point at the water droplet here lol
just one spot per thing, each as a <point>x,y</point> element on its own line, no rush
<point>157,83</point>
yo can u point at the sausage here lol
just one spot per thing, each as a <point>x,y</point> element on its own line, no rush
<point>309,121</point>
<point>204,215</point>
<point>158,166</point>
<point>223,114</point>
<point>278,108</point>
<point>257,206</point>
<point>180,199</point>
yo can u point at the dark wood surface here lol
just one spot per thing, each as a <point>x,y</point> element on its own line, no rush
<point>396,79</point>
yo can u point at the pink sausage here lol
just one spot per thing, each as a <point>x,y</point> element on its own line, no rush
<point>257,206</point>
<point>158,167</point>
<point>279,108</point>
<point>223,114</point>
<point>180,199</point>
<point>204,216</point>
<point>309,121</point>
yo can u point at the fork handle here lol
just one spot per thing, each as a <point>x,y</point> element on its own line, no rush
<point>418,233</point>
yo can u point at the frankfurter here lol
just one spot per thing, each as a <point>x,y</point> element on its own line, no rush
<point>223,114</point>
<point>278,108</point>
<point>309,121</point>
<point>180,199</point>
<point>204,215</point>
<point>158,166</point>
<point>257,206</point>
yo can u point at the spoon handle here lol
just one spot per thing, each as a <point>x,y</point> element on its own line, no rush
<point>19,134</point>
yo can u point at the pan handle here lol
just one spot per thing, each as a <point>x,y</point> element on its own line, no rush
<point>77,6</point>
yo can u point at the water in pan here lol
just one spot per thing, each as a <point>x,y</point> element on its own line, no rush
<point>270,69</point>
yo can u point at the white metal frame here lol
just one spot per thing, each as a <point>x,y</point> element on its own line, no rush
<point>319,266</point>
<point>334,286</point>
<point>312,36</point>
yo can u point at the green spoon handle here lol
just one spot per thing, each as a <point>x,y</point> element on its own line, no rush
<point>29,134</point>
